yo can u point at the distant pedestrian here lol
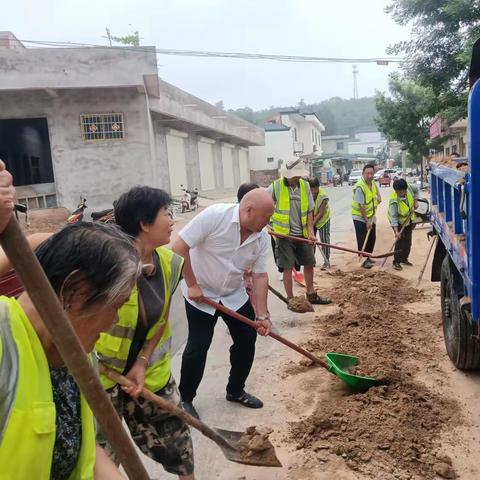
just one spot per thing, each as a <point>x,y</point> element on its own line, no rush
<point>321,217</point>
<point>366,198</point>
<point>401,214</point>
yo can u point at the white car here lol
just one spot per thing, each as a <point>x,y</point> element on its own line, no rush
<point>354,176</point>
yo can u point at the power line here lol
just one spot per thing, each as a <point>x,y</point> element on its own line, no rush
<point>234,55</point>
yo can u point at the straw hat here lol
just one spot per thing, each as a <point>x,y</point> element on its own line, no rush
<point>294,168</point>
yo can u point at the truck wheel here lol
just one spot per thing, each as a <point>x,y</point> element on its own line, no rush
<point>462,348</point>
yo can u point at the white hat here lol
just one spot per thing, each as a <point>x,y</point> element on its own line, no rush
<point>294,168</point>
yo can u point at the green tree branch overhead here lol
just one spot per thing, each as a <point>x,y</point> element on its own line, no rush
<point>438,53</point>
<point>406,115</point>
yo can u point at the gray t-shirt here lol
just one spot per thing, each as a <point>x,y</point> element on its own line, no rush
<point>295,207</point>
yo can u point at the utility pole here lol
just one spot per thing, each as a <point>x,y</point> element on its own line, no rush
<point>355,85</point>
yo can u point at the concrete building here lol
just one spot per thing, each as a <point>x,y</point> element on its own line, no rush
<point>96,121</point>
<point>367,143</point>
<point>337,144</point>
<point>454,137</point>
<point>288,133</point>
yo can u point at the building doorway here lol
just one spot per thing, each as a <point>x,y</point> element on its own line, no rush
<point>25,149</point>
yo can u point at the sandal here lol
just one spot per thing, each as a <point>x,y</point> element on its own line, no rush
<point>316,299</point>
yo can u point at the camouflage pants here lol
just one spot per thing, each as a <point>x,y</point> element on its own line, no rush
<point>159,435</point>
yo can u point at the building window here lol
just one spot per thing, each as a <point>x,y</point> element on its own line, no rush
<point>369,149</point>
<point>102,126</point>
<point>270,159</point>
<point>295,138</point>
<point>340,145</point>
<point>313,136</point>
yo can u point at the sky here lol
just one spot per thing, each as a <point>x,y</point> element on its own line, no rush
<point>328,28</point>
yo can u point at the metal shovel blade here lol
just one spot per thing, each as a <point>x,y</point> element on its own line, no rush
<point>266,458</point>
<point>340,364</point>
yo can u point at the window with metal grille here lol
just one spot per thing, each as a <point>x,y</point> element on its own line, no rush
<point>102,126</point>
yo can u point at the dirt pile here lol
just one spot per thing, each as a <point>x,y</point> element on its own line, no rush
<point>300,304</point>
<point>255,446</point>
<point>391,431</point>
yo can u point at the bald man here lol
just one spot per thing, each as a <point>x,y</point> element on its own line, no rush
<point>218,246</point>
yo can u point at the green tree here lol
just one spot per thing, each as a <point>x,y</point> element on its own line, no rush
<point>406,115</point>
<point>438,52</point>
<point>133,39</point>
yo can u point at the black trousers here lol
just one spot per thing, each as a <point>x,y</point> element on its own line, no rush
<point>201,326</point>
<point>361,232</point>
<point>403,245</point>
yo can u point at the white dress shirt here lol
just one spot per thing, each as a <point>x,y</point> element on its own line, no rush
<point>218,259</point>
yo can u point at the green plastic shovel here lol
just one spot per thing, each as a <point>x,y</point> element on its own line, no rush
<point>335,363</point>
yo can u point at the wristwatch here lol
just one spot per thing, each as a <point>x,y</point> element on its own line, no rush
<point>261,318</point>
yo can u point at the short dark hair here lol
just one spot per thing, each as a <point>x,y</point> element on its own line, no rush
<point>314,182</point>
<point>400,184</point>
<point>100,255</point>
<point>140,205</point>
<point>244,188</point>
<point>368,165</point>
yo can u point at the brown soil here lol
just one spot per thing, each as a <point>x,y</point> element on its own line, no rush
<point>44,220</point>
<point>255,446</point>
<point>300,305</point>
<point>395,428</point>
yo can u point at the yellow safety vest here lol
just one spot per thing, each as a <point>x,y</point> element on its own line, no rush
<point>27,410</point>
<point>322,195</point>
<point>113,347</point>
<point>280,219</point>
<point>405,207</point>
<point>371,198</point>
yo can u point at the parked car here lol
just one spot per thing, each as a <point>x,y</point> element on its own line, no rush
<point>385,180</point>
<point>378,174</point>
<point>355,175</point>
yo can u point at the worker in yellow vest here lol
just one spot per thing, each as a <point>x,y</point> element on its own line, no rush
<point>293,216</point>
<point>47,429</point>
<point>321,218</point>
<point>401,215</point>
<point>139,344</point>
<point>366,198</point>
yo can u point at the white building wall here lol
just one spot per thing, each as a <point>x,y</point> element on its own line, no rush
<point>227,163</point>
<point>244,166</point>
<point>207,172</point>
<point>176,161</point>
<point>278,145</point>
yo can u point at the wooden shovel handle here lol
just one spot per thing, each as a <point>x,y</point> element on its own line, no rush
<point>168,407</point>
<point>46,302</point>
<point>277,337</point>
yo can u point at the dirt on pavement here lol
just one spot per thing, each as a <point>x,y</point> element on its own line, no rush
<point>390,431</point>
<point>44,220</point>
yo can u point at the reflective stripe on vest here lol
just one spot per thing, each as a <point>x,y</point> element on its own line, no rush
<point>371,199</point>
<point>405,208</point>
<point>280,219</point>
<point>27,421</point>
<point>113,347</point>
<point>322,195</point>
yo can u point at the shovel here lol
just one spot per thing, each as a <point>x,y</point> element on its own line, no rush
<point>336,363</point>
<point>334,247</point>
<point>227,440</point>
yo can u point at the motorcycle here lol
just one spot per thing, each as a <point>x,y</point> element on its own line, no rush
<point>189,199</point>
<point>77,215</point>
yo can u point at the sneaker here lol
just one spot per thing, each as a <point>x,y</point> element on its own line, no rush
<point>189,408</point>
<point>245,399</point>
<point>407,263</point>
<point>397,266</point>
<point>316,299</point>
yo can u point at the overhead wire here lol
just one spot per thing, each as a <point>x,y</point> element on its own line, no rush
<point>233,55</point>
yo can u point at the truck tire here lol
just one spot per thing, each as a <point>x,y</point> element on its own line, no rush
<point>462,348</point>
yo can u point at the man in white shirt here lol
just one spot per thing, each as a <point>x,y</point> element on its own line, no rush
<point>218,246</point>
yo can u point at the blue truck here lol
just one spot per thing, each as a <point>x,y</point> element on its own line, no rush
<point>455,217</point>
